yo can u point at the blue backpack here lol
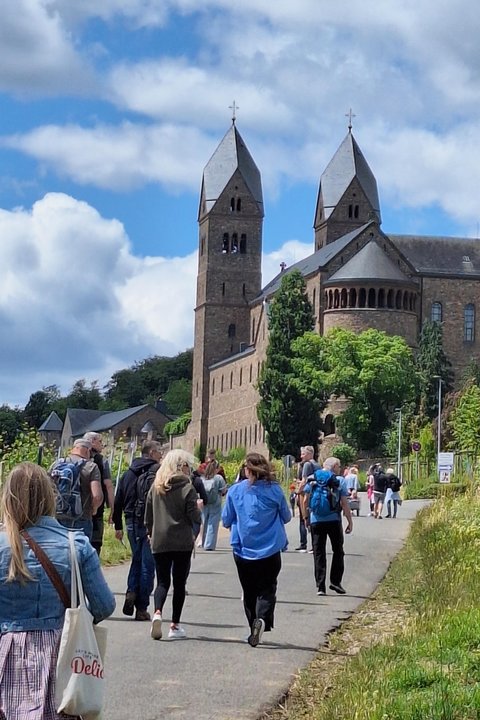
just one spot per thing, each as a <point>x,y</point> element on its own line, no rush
<point>324,494</point>
<point>66,478</point>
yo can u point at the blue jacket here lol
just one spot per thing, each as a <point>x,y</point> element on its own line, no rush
<point>256,514</point>
<point>35,605</point>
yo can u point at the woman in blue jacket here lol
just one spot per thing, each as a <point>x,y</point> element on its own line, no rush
<point>256,512</point>
<point>31,612</point>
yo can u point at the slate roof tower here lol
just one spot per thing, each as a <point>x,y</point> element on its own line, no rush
<point>347,196</point>
<point>230,221</point>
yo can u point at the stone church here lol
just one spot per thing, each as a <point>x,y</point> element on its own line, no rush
<point>357,277</point>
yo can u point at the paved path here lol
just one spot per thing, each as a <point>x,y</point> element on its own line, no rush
<point>214,674</point>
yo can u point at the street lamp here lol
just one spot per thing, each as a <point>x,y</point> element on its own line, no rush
<point>439,423</point>
<point>399,451</point>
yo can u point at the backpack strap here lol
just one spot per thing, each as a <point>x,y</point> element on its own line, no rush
<point>49,568</point>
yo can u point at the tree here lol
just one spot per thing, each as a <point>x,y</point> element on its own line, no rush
<point>431,363</point>
<point>288,411</point>
<point>40,404</point>
<point>11,422</point>
<point>82,396</point>
<point>179,397</point>
<point>463,423</point>
<point>373,370</point>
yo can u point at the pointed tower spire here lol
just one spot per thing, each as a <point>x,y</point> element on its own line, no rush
<point>347,196</point>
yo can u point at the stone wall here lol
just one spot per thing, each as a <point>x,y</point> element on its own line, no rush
<point>454,295</point>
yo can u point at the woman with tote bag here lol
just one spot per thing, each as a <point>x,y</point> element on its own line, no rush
<point>32,611</point>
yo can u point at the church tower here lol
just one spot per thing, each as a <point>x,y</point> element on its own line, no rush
<point>230,221</point>
<point>347,197</point>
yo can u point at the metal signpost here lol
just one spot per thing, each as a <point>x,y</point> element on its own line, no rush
<point>445,466</point>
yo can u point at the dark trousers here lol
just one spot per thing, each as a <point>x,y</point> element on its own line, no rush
<point>320,531</point>
<point>172,566</point>
<point>142,568</point>
<point>302,528</point>
<point>258,579</point>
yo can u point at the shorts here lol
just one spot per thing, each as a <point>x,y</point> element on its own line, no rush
<point>378,496</point>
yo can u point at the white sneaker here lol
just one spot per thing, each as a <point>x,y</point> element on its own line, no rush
<point>177,633</point>
<point>257,631</point>
<point>156,631</point>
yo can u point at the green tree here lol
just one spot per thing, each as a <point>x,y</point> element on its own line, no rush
<point>431,363</point>
<point>11,422</point>
<point>464,420</point>
<point>40,404</point>
<point>288,411</point>
<point>179,396</point>
<point>147,380</point>
<point>83,396</point>
<point>373,370</point>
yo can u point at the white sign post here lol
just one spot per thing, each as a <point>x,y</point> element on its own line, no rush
<point>445,466</point>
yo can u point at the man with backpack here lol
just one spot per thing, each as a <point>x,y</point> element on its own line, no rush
<point>107,488</point>
<point>130,498</point>
<point>79,490</point>
<point>306,468</point>
<point>324,498</point>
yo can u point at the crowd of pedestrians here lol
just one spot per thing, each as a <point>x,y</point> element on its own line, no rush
<point>167,504</point>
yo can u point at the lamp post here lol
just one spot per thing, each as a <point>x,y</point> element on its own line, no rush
<point>399,451</point>
<point>439,422</point>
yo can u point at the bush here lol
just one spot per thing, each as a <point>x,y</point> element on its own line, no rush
<point>345,453</point>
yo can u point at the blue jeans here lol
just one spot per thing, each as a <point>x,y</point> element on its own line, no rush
<point>85,525</point>
<point>142,569</point>
<point>211,520</point>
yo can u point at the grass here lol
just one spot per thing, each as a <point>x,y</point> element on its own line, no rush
<point>113,552</point>
<point>413,649</point>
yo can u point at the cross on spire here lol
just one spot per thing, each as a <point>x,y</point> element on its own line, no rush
<point>350,115</point>
<point>234,107</point>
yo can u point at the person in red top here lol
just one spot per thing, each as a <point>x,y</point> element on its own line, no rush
<point>211,457</point>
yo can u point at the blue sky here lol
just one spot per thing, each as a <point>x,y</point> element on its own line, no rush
<point>110,110</point>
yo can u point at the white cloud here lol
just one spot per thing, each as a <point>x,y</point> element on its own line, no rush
<point>119,157</point>
<point>76,303</point>
<point>38,55</point>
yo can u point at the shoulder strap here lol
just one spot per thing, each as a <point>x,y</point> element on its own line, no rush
<point>49,568</point>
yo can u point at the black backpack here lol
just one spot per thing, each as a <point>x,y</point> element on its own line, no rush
<point>144,483</point>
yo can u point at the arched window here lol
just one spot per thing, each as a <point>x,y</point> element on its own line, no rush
<point>405,301</point>
<point>381,298</point>
<point>436,312</point>
<point>362,298</point>
<point>225,243</point>
<point>232,205</point>
<point>469,323</point>
<point>355,211</point>
<point>253,330</point>
<point>239,204</point>
<point>336,298</point>
<point>398,300</point>
<point>343,298</point>
<point>243,244</point>
<point>241,376</point>
<point>352,298</point>
<point>244,288</point>
<point>234,242</point>
<point>251,372</point>
<point>232,330</point>
<point>213,386</point>
<point>371,298</point>
<point>390,299</point>
<point>221,385</point>
<point>231,380</point>
<point>350,211</point>
<point>314,300</point>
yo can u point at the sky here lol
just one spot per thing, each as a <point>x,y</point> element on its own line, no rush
<point>110,110</point>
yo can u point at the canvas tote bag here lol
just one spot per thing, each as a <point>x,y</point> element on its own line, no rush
<point>80,685</point>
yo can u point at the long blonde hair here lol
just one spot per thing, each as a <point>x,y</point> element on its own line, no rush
<point>28,493</point>
<point>174,463</point>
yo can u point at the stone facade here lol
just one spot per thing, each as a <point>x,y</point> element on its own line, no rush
<point>358,277</point>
